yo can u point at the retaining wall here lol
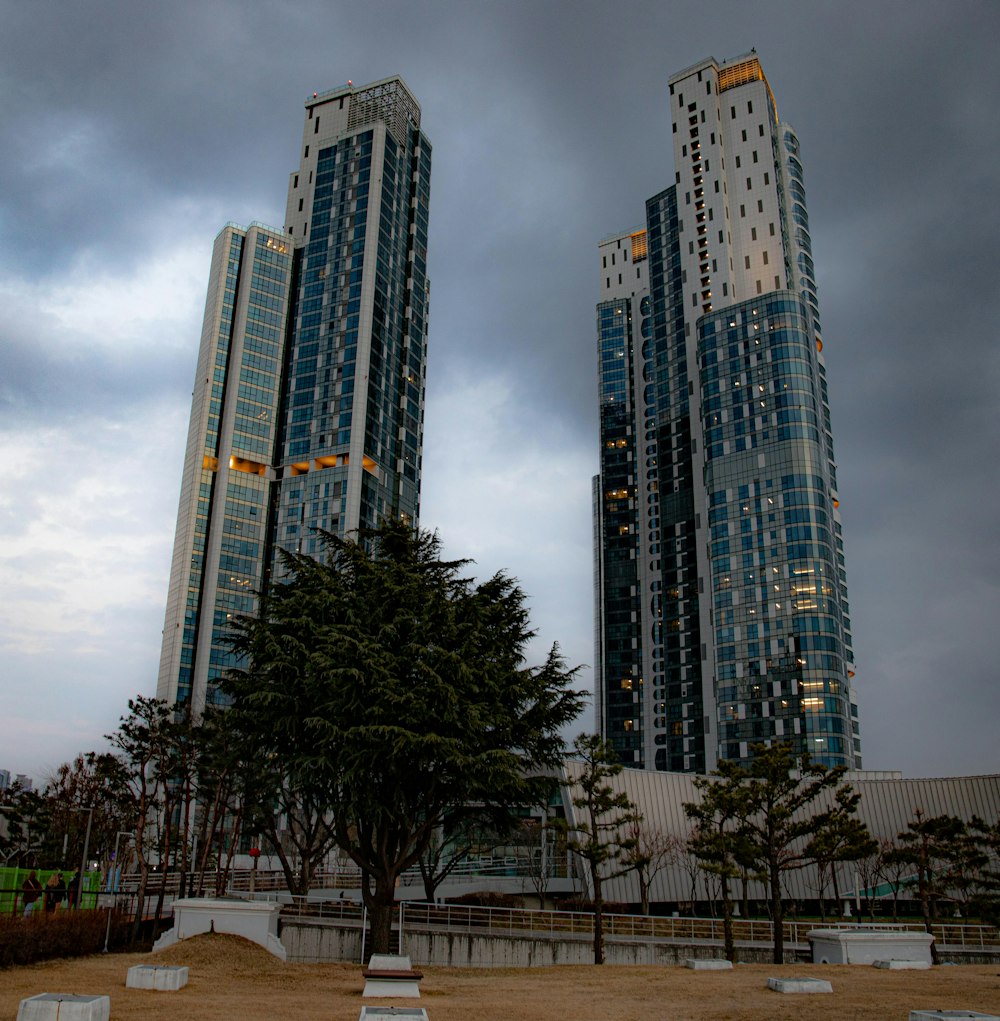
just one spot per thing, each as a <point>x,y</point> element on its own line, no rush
<point>314,942</point>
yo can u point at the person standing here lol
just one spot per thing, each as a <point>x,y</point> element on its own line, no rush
<point>32,890</point>
<point>55,890</point>
<point>73,890</point>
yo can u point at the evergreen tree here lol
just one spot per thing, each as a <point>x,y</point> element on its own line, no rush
<point>717,839</point>
<point>601,835</point>
<point>392,692</point>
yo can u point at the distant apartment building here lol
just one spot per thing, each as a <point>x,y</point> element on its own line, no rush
<point>720,590</point>
<point>308,403</point>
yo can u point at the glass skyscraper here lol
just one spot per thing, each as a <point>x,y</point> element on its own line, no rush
<point>309,395</point>
<point>720,591</point>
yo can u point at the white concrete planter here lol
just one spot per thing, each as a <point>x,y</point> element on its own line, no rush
<point>150,976</point>
<point>253,920</point>
<point>866,946</point>
<point>64,1007</point>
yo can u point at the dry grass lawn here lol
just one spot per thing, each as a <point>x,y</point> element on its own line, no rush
<point>234,980</point>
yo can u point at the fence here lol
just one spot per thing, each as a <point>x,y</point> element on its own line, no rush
<point>12,888</point>
<point>580,924</point>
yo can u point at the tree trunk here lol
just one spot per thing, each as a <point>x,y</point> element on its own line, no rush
<point>777,914</point>
<point>727,921</point>
<point>185,834</point>
<point>598,918</point>
<point>821,876</point>
<point>380,904</point>
<point>140,901</point>
<point>927,905</point>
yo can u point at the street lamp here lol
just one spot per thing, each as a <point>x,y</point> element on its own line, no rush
<point>83,863</point>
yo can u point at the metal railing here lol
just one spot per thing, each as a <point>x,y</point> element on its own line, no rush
<point>580,924</point>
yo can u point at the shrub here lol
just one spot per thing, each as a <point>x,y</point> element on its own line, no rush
<point>63,934</point>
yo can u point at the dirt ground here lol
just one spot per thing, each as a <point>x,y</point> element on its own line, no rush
<point>234,980</point>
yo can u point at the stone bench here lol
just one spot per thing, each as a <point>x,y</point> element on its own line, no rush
<point>708,964</point>
<point>951,1015</point>
<point>64,1007</point>
<point>799,985</point>
<point>391,975</point>
<point>399,1013</point>
<point>902,965</point>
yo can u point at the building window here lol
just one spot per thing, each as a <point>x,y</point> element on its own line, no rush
<point>767,177</point>
<point>737,161</point>
<point>765,258</point>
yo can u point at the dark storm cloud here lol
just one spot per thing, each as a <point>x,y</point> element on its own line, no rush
<point>40,386</point>
<point>128,128</point>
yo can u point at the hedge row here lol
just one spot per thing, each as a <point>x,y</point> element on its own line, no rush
<point>63,934</point>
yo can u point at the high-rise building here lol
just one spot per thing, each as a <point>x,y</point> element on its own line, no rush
<point>720,591</point>
<point>309,394</point>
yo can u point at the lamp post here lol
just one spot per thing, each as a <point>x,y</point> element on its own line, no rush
<point>83,861</point>
<point>114,903</point>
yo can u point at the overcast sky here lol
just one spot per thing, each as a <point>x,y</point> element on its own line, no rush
<point>130,132</point>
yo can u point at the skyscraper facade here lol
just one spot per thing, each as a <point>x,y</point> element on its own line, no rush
<point>307,411</point>
<point>720,591</point>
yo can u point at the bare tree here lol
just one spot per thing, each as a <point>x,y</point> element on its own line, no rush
<point>649,852</point>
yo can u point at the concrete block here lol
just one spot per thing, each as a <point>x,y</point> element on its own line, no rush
<point>799,985</point>
<point>387,1013</point>
<point>151,976</point>
<point>902,965</point>
<point>951,1015</point>
<point>64,1007</point>
<point>708,964</point>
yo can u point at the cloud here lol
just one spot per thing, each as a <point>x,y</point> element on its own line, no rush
<point>509,488</point>
<point>95,337</point>
<point>132,132</point>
